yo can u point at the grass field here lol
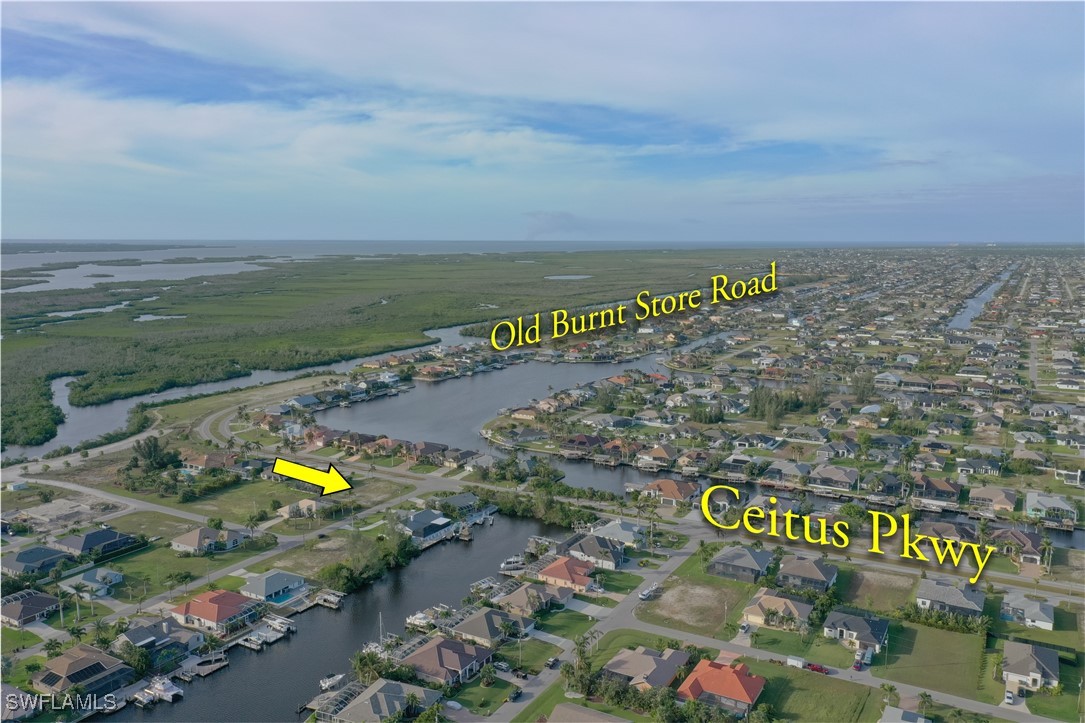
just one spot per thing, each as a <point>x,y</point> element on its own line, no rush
<point>152,524</point>
<point>88,612</point>
<point>10,639</point>
<point>1066,707</point>
<point>618,581</point>
<point>815,649</point>
<point>483,701</point>
<point>30,497</point>
<point>801,695</point>
<point>875,591</point>
<point>18,675</point>
<point>1067,625</point>
<point>145,572</point>
<point>535,654</point>
<point>564,623</point>
<point>933,659</point>
<point>307,559</point>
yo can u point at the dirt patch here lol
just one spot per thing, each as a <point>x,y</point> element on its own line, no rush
<point>696,606</point>
<point>65,513</point>
<point>332,544</point>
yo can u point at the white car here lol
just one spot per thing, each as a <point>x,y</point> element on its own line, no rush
<point>1009,697</point>
<point>744,628</point>
<point>502,666</point>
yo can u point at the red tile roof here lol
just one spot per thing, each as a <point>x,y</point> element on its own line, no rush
<point>734,682</point>
<point>215,606</point>
<point>673,489</point>
<point>570,570</point>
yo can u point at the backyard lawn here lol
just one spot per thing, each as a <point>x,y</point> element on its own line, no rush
<point>535,654</point>
<point>1066,707</point>
<point>12,639</point>
<point>483,701</point>
<point>564,623</point>
<point>1067,625</point>
<point>933,659</point>
<point>88,612</point>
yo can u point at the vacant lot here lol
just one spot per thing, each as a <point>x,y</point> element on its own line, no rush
<point>146,572</point>
<point>31,496</point>
<point>877,591</point>
<point>932,659</point>
<point>814,648</point>
<point>564,623</point>
<point>801,695</point>
<point>530,654</point>
<point>484,701</point>
<point>618,581</point>
<point>152,524</point>
<point>697,602</point>
<point>307,559</point>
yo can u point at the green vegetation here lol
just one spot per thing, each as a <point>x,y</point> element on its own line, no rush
<point>618,581</point>
<point>147,572</point>
<point>19,675</point>
<point>1066,707</point>
<point>483,701</point>
<point>231,328</point>
<point>1067,625</point>
<point>931,659</point>
<point>564,623</point>
<point>814,648</point>
<point>535,654</point>
<point>11,639</point>
<point>803,695</point>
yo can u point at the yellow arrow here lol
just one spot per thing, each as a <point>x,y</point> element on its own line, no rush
<point>331,481</point>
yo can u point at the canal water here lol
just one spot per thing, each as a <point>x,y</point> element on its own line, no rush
<point>974,306</point>
<point>269,685</point>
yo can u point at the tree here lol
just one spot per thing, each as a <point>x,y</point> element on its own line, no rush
<point>890,692</point>
<point>488,674</point>
<point>79,588</point>
<point>33,667</point>
<point>53,647</point>
<point>215,523</point>
<point>926,700</point>
<point>367,665</point>
<point>413,704</point>
<point>138,658</point>
<point>1047,550</point>
<point>77,632</point>
<point>252,522</point>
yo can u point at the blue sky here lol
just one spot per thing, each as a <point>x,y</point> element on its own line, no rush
<point>700,122</point>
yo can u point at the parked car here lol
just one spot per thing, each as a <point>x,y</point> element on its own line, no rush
<point>552,662</point>
<point>1009,698</point>
<point>858,665</point>
<point>817,668</point>
<point>744,628</point>
<point>514,693</point>
<point>502,666</point>
<point>520,674</point>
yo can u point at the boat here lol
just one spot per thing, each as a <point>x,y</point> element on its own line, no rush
<point>331,680</point>
<point>516,562</point>
<point>345,405</point>
<point>143,699</point>
<point>162,688</point>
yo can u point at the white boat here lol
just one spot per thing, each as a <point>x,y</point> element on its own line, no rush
<point>162,688</point>
<point>330,681</point>
<point>513,563</point>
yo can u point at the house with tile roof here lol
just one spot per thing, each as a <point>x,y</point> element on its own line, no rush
<point>568,572</point>
<point>645,668</point>
<point>938,595</point>
<point>97,672</point>
<point>811,573</point>
<point>672,492</point>
<point>1029,666</point>
<point>730,687</point>
<point>220,611</point>
<point>776,610</point>
<point>446,661</point>
<point>486,626</point>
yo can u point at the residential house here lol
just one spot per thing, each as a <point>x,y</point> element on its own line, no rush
<point>94,542</point>
<point>209,461</point>
<point>96,672</point>
<point>1019,545</point>
<point>447,661</point>
<point>486,626</point>
<point>531,597</point>
<point>672,492</point>
<point>935,489</point>
<point>979,466</point>
<point>731,687</point>
<point>98,582</point>
<point>997,499</point>
<point>274,586</point>
<point>1050,508</point>
<point>938,595</point>
<point>26,606</point>
<point>207,539</point>
<point>427,526</point>
<point>882,483</point>
<point>644,668</point>
<point>741,563</point>
<point>625,532</point>
<point>220,611</point>
<point>893,714</point>
<point>36,560</point>
<point>599,551</point>
<point>857,633</point>
<point>568,572</point>
<point>1029,666</point>
<point>776,610</point>
<point>811,573</point>
<point>159,637</point>
<point>1019,608</point>
<point>835,477</point>
<point>382,700</point>
<point>304,508</point>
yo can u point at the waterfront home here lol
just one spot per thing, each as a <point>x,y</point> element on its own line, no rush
<point>219,611</point>
<point>776,610</point>
<point>1030,613</point>
<point>1051,508</point>
<point>882,483</point>
<point>98,582</point>
<point>834,477</point>
<point>757,441</point>
<point>997,499</point>
<point>95,542</point>
<point>741,563</point>
<point>426,452</point>
<point>36,560</point>
<point>624,532</point>
<point>582,443</point>
<point>461,504</point>
<point>486,626</point>
<point>938,595</point>
<point>159,637</point>
<point>599,551</point>
<point>1019,545</point>
<point>935,489</point>
<point>979,466</point>
<point>786,471</point>
<point>447,661</point>
<point>811,573</point>
<point>27,606</point>
<point>672,492</point>
<point>731,687</point>
<point>201,540</point>
<point>644,668</point>
<point>857,633</point>
<point>531,597</point>
<point>273,586</point>
<point>663,455</point>
<point>1029,666</point>
<point>383,700</point>
<point>845,449</point>
<point>96,672</point>
<point>568,572</point>
<point>17,704</point>
<point>427,526</point>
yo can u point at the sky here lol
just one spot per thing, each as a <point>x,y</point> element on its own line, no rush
<point>703,122</point>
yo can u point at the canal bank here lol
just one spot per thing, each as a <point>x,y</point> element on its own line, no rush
<point>269,685</point>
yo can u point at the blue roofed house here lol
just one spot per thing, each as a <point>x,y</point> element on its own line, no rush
<point>427,526</point>
<point>98,582</point>
<point>273,586</point>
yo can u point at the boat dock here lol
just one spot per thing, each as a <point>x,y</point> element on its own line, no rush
<point>330,598</point>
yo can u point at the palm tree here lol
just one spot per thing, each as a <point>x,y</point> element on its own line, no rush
<point>367,666</point>
<point>79,589</point>
<point>252,522</point>
<point>1047,551</point>
<point>890,691</point>
<point>53,647</point>
<point>77,632</point>
<point>413,702</point>
<point>101,631</point>
<point>926,700</point>
<point>983,531</point>
<point>488,675</point>
<point>63,596</point>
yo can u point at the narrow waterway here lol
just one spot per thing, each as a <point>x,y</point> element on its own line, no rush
<point>974,306</point>
<point>269,685</point>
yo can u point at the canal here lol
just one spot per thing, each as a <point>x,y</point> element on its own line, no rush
<point>269,685</point>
